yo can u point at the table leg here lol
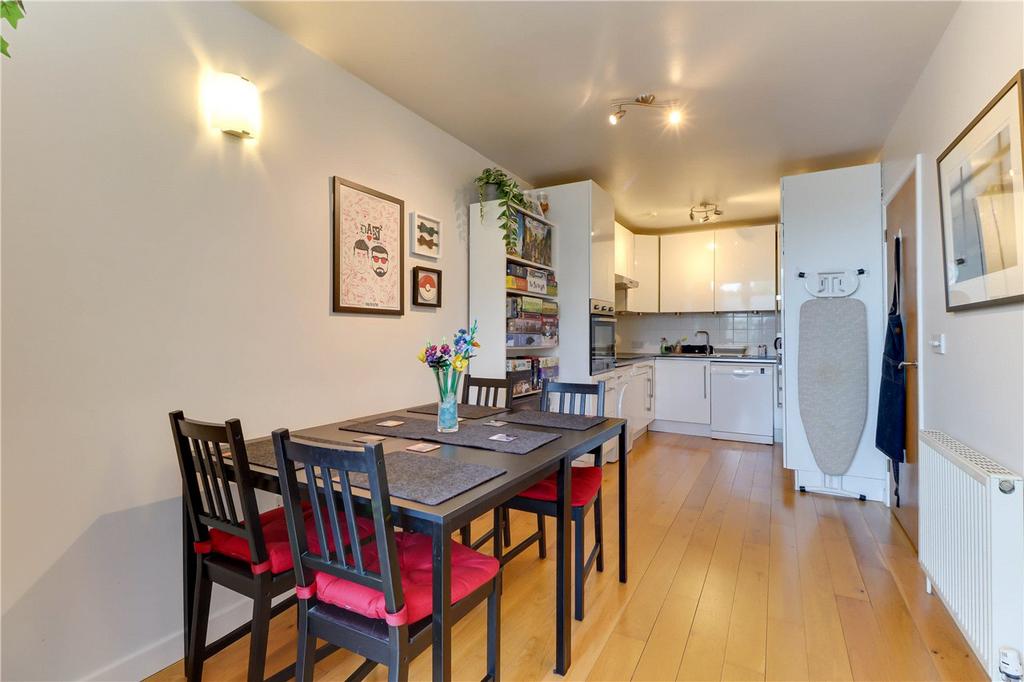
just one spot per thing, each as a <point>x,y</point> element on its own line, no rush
<point>623,487</point>
<point>188,577</point>
<point>442,621</point>
<point>563,586</point>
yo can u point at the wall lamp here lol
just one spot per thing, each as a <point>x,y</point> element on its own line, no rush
<point>645,101</point>
<point>232,104</point>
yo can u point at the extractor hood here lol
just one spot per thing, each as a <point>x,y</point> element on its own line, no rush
<point>623,282</point>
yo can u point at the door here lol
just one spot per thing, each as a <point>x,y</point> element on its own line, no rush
<point>745,268</point>
<point>688,272</point>
<point>901,219</point>
<point>684,391</point>
<point>644,298</point>
<point>623,251</point>
<point>602,244</point>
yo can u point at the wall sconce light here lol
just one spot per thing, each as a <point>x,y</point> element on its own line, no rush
<point>232,104</point>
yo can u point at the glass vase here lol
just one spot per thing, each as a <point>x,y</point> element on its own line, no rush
<point>447,414</point>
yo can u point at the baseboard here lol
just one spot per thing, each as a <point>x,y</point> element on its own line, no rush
<point>778,435</point>
<point>165,651</point>
<point>684,428</point>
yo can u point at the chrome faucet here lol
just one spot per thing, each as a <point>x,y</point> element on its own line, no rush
<point>707,341</point>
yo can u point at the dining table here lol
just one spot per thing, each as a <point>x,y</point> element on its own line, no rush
<point>440,520</point>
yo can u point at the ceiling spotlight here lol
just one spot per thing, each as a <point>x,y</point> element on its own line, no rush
<point>644,101</point>
<point>707,212</point>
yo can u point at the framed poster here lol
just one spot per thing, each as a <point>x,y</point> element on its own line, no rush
<point>368,250</point>
<point>425,239</point>
<point>426,287</point>
<point>981,199</point>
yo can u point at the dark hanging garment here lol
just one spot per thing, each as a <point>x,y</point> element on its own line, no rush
<point>890,432</point>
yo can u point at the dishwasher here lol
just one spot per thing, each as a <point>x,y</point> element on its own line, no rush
<point>742,402</point>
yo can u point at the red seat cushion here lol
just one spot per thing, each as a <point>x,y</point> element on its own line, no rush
<point>586,482</point>
<point>275,537</point>
<point>470,570</point>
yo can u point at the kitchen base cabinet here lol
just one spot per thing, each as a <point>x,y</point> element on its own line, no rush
<point>683,391</point>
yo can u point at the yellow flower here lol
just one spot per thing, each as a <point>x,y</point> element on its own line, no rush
<point>459,363</point>
<point>423,355</point>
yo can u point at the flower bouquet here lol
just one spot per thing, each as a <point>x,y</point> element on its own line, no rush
<point>448,363</point>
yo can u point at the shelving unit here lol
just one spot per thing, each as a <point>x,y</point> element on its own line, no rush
<point>489,301</point>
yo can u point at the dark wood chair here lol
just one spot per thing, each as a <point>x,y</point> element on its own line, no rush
<point>361,600</point>
<point>241,560</point>
<point>541,499</point>
<point>487,392</point>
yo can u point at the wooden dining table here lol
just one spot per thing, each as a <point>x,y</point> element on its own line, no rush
<point>441,520</point>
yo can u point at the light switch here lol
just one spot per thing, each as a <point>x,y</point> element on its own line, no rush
<point>938,344</point>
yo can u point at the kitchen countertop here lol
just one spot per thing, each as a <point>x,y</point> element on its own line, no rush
<point>627,359</point>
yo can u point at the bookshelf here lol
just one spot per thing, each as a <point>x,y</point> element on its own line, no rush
<point>514,298</point>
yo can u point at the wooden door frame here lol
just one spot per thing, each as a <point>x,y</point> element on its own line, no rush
<point>916,169</point>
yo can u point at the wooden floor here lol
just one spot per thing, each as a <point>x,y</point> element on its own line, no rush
<point>733,576</point>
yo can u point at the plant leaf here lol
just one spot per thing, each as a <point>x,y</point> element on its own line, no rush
<point>3,47</point>
<point>12,12</point>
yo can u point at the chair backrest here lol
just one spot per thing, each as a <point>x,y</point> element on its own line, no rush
<point>207,478</point>
<point>571,398</point>
<point>488,391</point>
<point>327,472</point>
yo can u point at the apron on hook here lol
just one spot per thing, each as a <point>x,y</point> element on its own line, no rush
<point>890,432</point>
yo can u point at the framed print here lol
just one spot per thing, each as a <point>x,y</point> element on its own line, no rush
<point>425,239</point>
<point>368,250</point>
<point>426,287</point>
<point>981,196</point>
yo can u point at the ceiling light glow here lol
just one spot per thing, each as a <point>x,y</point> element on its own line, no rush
<point>675,117</point>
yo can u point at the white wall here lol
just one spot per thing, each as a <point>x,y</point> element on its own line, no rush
<point>975,392</point>
<point>151,264</point>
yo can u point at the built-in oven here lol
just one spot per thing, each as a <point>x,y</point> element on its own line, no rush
<point>602,336</point>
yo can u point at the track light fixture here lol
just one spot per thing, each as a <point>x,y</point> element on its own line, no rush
<point>645,101</point>
<point>707,212</point>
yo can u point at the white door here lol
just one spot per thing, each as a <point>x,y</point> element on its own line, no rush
<point>602,244</point>
<point>688,272</point>
<point>745,268</point>
<point>684,391</point>
<point>644,298</point>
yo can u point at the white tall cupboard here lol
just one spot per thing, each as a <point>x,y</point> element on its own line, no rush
<point>688,272</point>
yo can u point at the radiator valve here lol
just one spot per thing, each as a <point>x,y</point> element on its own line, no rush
<point>1010,664</point>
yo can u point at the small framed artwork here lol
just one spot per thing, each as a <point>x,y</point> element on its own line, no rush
<point>369,243</point>
<point>425,239</point>
<point>981,197</point>
<point>426,287</point>
<point>532,204</point>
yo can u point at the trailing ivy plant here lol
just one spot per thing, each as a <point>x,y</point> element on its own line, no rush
<point>12,11</point>
<point>509,197</point>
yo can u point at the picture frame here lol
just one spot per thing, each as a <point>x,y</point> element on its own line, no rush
<point>424,236</point>
<point>426,287</point>
<point>369,236</point>
<point>981,204</point>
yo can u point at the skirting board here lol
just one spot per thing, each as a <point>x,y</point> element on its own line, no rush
<point>684,428</point>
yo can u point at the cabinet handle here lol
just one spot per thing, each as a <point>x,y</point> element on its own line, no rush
<point>705,382</point>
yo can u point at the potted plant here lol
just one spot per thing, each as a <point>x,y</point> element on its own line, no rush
<point>448,362</point>
<point>496,182</point>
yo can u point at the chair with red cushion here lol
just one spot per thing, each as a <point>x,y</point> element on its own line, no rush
<point>236,546</point>
<point>542,498</point>
<point>375,599</point>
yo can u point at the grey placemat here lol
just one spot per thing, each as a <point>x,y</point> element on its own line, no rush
<point>260,451</point>
<point>469,435</point>
<point>554,420</point>
<point>429,480</point>
<point>467,411</point>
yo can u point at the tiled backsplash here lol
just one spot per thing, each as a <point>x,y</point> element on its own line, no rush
<point>643,333</point>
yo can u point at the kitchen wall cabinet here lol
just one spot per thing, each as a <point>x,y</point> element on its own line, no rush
<point>624,263</point>
<point>683,391</point>
<point>646,268</point>
<point>602,244</point>
<point>687,266</point>
<point>744,268</point>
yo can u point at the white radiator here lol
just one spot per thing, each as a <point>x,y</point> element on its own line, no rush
<point>972,543</point>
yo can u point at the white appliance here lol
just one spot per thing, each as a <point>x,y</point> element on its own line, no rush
<point>743,402</point>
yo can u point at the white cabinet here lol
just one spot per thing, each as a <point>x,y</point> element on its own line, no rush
<point>646,266</point>
<point>638,399</point>
<point>624,264</point>
<point>688,272</point>
<point>683,390</point>
<point>602,244</point>
<point>744,270</point>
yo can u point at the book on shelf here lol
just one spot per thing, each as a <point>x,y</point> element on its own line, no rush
<point>528,373</point>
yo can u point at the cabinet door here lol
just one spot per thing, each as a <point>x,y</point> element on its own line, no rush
<point>683,392</point>
<point>623,251</point>
<point>637,401</point>
<point>688,272</point>
<point>745,268</point>
<point>644,298</point>
<point>602,244</point>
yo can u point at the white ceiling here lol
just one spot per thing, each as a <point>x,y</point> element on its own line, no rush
<point>769,88</point>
